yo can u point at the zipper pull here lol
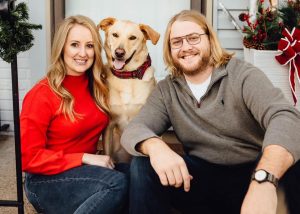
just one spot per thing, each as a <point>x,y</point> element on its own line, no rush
<point>222,101</point>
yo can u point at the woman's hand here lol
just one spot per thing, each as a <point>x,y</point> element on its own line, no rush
<point>98,160</point>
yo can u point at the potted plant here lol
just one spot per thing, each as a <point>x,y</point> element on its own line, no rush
<point>270,28</point>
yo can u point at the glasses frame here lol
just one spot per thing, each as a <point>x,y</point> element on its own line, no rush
<point>186,38</point>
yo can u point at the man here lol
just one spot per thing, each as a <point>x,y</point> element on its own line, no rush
<point>239,133</point>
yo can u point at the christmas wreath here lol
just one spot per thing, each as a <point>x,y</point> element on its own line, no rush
<point>15,32</point>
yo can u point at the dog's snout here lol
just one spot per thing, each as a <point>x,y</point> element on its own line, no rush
<point>120,52</point>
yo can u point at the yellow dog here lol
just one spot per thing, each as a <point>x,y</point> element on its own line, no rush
<point>131,79</point>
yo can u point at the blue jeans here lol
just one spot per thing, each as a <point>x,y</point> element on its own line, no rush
<point>81,190</point>
<point>215,188</point>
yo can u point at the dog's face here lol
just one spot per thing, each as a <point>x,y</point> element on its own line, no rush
<point>125,42</point>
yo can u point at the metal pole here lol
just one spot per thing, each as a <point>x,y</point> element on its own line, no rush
<point>15,94</point>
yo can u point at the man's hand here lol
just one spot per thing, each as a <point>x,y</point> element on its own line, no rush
<point>98,160</point>
<point>260,199</point>
<point>169,166</point>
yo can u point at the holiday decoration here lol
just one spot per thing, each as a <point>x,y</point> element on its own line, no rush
<point>15,32</point>
<point>263,32</point>
<point>263,29</point>
<point>290,14</point>
<point>272,43</point>
<point>289,46</point>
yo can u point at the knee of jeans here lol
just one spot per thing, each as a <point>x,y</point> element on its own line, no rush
<point>119,186</point>
<point>140,166</point>
<point>120,182</point>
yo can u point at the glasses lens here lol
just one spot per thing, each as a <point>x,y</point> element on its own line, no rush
<point>193,38</point>
<point>176,43</point>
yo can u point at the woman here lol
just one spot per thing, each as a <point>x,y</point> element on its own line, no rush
<point>62,119</point>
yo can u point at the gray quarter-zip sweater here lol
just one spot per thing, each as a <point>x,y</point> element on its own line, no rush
<point>241,113</point>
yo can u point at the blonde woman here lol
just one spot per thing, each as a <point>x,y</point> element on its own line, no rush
<point>62,119</point>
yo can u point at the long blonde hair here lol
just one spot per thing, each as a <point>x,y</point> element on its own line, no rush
<point>57,71</point>
<point>218,55</point>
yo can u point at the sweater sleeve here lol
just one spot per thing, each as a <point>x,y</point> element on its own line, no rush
<point>151,121</point>
<point>272,111</point>
<point>37,111</point>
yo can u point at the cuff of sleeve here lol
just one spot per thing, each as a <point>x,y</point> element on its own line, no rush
<point>283,131</point>
<point>130,140</point>
<point>73,160</point>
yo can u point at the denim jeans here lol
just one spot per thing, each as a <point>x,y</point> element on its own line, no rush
<point>81,190</point>
<point>214,189</point>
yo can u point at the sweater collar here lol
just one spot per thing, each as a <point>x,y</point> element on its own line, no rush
<point>75,82</point>
<point>75,78</point>
<point>217,74</point>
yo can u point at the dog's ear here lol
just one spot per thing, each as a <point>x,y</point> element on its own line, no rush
<point>106,23</point>
<point>149,33</point>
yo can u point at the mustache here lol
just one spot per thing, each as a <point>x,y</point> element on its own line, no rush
<point>189,52</point>
<point>199,67</point>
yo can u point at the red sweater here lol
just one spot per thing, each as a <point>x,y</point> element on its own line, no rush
<point>51,143</point>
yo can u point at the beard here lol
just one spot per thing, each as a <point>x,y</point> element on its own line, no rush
<point>199,67</point>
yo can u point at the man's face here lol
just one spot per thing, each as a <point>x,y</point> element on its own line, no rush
<point>194,55</point>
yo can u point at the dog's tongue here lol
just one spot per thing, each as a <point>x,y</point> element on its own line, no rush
<point>119,64</point>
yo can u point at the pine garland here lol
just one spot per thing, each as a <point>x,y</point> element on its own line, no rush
<point>290,14</point>
<point>15,32</point>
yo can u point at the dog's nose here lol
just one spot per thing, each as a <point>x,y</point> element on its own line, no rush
<point>120,52</point>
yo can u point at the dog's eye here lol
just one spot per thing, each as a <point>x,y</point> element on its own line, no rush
<point>132,38</point>
<point>115,35</point>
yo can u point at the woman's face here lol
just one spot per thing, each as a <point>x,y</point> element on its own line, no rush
<point>78,50</point>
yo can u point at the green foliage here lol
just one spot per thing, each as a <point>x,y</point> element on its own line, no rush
<point>290,14</point>
<point>265,32</point>
<point>15,32</point>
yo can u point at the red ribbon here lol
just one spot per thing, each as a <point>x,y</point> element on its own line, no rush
<point>289,46</point>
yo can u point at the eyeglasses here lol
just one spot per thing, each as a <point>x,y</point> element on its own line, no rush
<point>192,39</point>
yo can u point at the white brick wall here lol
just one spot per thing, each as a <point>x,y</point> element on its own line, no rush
<point>6,106</point>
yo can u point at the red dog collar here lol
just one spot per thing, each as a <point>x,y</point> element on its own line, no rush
<point>137,74</point>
